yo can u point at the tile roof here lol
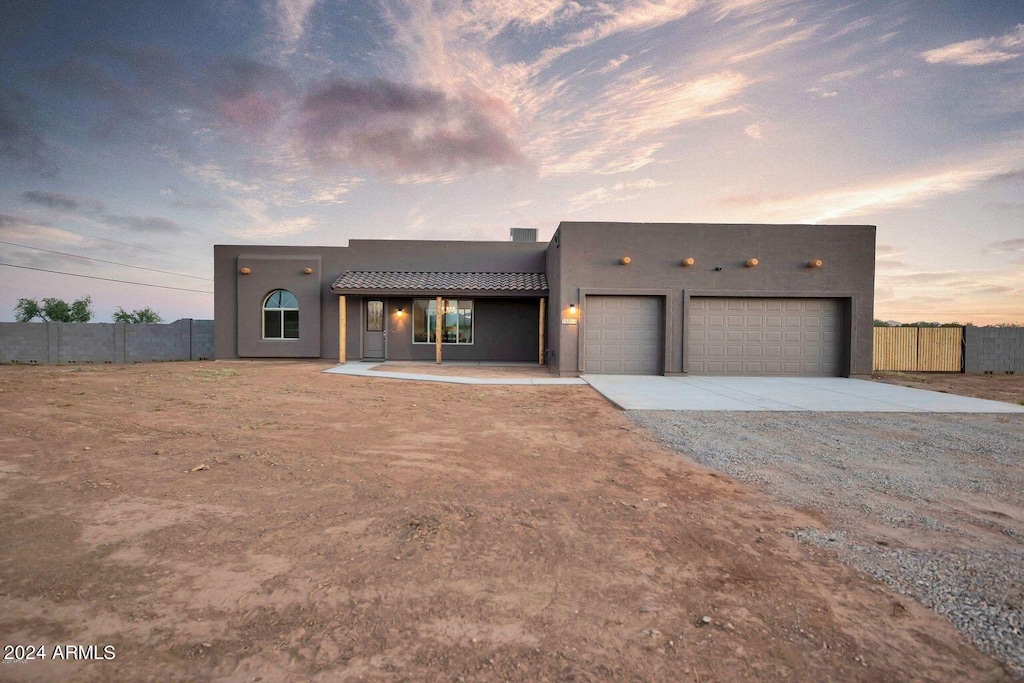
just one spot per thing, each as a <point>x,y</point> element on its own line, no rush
<point>497,282</point>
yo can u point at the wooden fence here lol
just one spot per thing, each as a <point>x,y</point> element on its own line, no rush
<point>919,349</point>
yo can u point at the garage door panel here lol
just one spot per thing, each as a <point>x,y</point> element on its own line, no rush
<point>769,337</point>
<point>623,335</point>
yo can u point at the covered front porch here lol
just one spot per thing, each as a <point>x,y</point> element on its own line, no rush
<point>441,317</point>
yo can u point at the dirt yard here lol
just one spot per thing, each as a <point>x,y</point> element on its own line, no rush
<point>1009,388</point>
<point>349,528</point>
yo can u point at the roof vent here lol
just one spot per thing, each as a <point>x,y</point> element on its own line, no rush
<point>522,234</point>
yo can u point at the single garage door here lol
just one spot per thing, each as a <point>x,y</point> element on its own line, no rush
<point>764,336</point>
<point>622,335</point>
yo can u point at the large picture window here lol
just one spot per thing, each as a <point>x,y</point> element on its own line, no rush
<point>281,315</point>
<point>456,321</point>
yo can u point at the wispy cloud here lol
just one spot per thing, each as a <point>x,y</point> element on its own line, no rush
<point>288,19</point>
<point>62,202</point>
<point>95,211</point>
<point>980,51</point>
<point>840,203</point>
<point>824,93</point>
<point>790,39</point>
<point>637,15</point>
<point>619,192</point>
<point>285,227</point>
<point>1011,246</point>
<point>631,121</point>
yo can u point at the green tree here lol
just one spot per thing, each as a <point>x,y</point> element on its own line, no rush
<point>54,310</point>
<point>139,315</point>
<point>81,310</point>
<point>880,323</point>
<point>27,310</point>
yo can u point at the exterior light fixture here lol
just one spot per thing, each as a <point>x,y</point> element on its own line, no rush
<point>307,271</point>
<point>625,260</point>
<point>816,263</point>
<point>752,262</point>
<point>400,312</point>
<point>687,262</point>
<point>572,309</point>
<point>245,271</point>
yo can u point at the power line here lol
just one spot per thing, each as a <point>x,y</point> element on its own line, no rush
<point>99,260</point>
<point>127,244</point>
<point>106,279</point>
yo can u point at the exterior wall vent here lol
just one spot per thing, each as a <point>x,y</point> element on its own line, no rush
<point>522,234</point>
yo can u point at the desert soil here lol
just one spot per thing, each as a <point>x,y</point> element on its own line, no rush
<point>348,528</point>
<point>1009,388</point>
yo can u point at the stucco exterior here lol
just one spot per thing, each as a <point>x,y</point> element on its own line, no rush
<point>582,260</point>
<point>587,260</point>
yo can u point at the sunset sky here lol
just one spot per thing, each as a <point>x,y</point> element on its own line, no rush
<point>143,133</point>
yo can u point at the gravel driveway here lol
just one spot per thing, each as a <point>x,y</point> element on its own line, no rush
<point>931,504</point>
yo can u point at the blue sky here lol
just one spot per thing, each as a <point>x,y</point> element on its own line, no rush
<point>144,133</point>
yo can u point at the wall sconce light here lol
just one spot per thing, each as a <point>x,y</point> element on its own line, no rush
<point>245,271</point>
<point>307,271</point>
<point>400,312</point>
<point>718,268</point>
<point>687,262</point>
<point>625,260</point>
<point>572,309</point>
<point>816,263</point>
<point>752,262</point>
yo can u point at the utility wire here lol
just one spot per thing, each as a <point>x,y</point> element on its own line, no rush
<point>106,279</point>
<point>127,244</point>
<point>113,263</point>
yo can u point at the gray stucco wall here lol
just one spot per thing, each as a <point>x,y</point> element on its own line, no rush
<point>105,342</point>
<point>588,263</point>
<point>504,330</point>
<point>993,349</point>
<point>238,298</point>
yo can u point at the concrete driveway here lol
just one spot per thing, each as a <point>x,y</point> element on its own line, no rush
<point>823,394</point>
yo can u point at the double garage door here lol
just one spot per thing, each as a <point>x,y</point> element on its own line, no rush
<point>764,336</point>
<point>727,336</point>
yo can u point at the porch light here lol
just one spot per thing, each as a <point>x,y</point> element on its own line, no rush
<point>307,271</point>
<point>572,309</point>
<point>752,262</point>
<point>625,260</point>
<point>400,312</point>
<point>816,263</point>
<point>245,271</point>
<point>689,261</point>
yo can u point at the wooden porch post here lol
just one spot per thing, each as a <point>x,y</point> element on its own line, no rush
<point>341,329</point>
<point>540,341</point>
<point>437,333</point>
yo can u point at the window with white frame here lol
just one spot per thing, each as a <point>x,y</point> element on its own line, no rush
<point>280,315</point>
<point>456,321</point>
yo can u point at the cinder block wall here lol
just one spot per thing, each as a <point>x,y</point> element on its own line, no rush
<point>993,349</point>
<point>152,342</point>
<point>88,342</point>
<point>202,339</point>
<point>24,343</point>
<point>105,342</point>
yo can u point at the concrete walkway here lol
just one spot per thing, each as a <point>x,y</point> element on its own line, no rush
<point>824,394</point>
<point>365,369</point>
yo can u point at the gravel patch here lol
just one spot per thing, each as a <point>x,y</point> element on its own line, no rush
<point>932,505</point>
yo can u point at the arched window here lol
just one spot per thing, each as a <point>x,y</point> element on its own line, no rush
<point>281,315</point>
